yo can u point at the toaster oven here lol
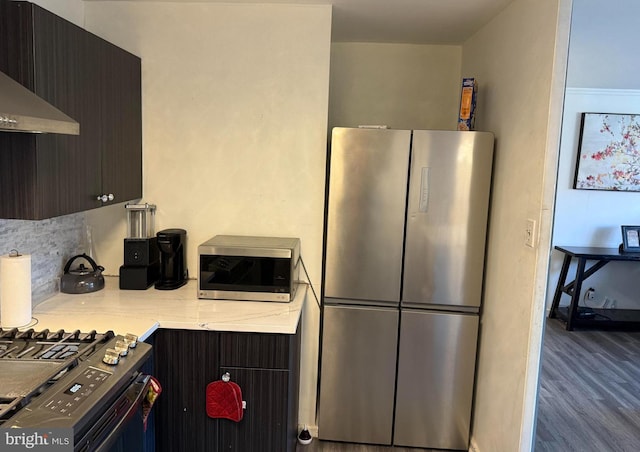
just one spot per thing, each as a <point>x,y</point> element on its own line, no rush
<point>232,267</point>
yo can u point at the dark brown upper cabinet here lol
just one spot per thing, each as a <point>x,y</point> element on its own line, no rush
<point>89,79</point>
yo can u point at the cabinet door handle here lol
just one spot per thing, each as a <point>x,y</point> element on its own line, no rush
<point>105,198</point>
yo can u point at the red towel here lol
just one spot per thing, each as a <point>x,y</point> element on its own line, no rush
<point>224,400</point>
<point>152,394</point>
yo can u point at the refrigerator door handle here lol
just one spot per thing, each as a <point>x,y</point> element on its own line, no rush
<point>423,206</point>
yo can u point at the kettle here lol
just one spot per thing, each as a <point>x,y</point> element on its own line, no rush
<point>82,279</point>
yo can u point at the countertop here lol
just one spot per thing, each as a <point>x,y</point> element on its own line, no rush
<point>141,312</point>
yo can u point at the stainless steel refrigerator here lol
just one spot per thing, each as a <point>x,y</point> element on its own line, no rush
<point>405,246</point>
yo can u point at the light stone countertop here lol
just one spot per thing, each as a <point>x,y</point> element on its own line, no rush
<point>141,312</point>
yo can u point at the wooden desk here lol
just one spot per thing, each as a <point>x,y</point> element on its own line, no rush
<point>625,318</point>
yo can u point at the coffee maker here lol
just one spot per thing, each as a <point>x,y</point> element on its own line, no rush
<point>173,271</point>
<point>141,255</point>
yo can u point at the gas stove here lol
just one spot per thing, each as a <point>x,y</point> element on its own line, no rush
<point>86,382</point>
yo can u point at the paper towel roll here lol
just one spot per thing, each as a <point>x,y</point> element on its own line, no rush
<point>15,290</point>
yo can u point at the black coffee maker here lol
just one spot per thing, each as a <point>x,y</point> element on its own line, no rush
<point>173,271</point>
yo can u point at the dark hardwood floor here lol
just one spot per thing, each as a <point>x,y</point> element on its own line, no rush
<point>589,397</point>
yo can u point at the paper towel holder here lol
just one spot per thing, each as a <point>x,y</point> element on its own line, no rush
<point>15,287</point>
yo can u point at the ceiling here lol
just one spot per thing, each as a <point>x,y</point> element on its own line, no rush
<point>401,21</point>
<point>409,21</point>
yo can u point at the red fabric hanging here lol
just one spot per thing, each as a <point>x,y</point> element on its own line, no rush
<point>224,400</point>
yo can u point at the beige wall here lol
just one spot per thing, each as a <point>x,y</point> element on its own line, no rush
<point>264,71</point>
<point>402,86</point>
<point>513,57</point>
<point>71,10</point>
<point>235,101</point>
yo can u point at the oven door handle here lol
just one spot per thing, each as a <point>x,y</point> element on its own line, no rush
<point>136,391</point>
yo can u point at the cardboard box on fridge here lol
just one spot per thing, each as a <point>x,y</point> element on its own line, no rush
<point>466,118</point>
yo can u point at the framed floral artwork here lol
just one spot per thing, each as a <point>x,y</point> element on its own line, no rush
<point>609,152</point>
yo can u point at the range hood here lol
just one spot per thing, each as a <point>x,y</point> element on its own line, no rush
<point>23,111</point>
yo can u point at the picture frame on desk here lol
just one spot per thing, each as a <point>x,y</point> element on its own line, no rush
<point>630,239</point>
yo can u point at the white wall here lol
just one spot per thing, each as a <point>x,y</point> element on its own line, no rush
<point>604,35</point>
<point>235,100</point>
<point>589,217</point>
<point>601,78</point>
<point>402,86</point>
<point>520,68</point>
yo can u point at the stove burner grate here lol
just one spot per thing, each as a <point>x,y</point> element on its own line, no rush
<point>59,345</point>
<point>31,361</point>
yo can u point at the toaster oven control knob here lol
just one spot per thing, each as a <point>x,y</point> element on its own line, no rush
<point>111,357</point>
<point>131,340</point>
<point>122,348</point>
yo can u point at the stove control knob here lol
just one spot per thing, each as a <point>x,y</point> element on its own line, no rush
<point>122,348</point>
<point>111,357</point>
<point>131,340</point>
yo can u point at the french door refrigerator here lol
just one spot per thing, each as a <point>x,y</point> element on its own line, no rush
<point>404,259</point>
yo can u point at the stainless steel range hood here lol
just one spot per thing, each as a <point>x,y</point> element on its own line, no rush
<point>23,111</point>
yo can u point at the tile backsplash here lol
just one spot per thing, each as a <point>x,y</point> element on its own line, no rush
<point>50,243</point>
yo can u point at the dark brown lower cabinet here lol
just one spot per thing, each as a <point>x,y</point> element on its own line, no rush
<point>184,362</point>
<point>263,426</point>
<point>265,366</point>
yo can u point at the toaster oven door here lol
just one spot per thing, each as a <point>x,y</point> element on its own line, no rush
<point>245,278</point>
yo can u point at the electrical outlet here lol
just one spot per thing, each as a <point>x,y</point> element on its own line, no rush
<point>530,233</point>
